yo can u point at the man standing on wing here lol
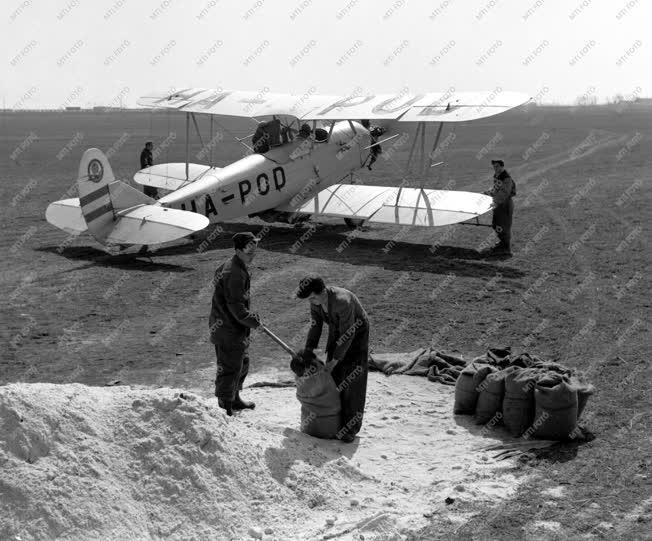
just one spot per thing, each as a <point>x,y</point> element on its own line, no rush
<point>231,322</point>
<point>347,348</point>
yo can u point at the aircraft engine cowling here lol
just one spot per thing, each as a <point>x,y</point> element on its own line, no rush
<point>343,134</point>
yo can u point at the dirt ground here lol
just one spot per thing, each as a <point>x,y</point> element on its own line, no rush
<point>576,289</point>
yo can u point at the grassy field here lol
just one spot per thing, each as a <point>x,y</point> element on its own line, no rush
<point>576,289</point>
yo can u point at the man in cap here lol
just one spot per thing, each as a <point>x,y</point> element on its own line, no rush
<point>502,192</point>
<point>231,322</point>
<point>304,142</point>
<point>347,347</point>
<point>147,160</point>
<point>304,131</point>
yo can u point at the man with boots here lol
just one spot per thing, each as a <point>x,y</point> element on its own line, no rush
<point>231,322</point>
<point>347,348</point>
<point>502,192</point>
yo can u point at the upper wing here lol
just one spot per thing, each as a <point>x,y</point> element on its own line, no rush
<point>395,205</point>
<point>449,106</point>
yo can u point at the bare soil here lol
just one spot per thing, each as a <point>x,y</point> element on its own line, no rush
<point>576,289</point>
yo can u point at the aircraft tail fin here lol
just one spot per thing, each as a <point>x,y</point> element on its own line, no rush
<point>116,213</point>
<point>93,181</point>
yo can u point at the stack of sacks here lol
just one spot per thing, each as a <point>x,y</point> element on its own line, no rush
<point>532,397</point>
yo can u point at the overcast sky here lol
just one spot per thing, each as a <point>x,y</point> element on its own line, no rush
<point>83,52</point>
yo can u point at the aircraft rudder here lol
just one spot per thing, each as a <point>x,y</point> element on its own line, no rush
<point>95,175</point>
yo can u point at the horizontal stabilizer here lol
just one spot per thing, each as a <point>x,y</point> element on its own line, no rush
<point>393,205</point>
<point>170,176</point>
<point>153,224</point>
<point>67,215</point>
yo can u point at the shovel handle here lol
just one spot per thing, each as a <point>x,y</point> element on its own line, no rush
<point>278,341</point>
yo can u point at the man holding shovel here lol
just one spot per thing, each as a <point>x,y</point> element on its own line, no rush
<point>231,322</point>
<point>347,348</point>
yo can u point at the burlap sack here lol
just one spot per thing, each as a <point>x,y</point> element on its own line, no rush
<point>555,416</point>
<point>490,397</point>
<point>320,402</point>
<point>466,394</point>
<point>518,402</point>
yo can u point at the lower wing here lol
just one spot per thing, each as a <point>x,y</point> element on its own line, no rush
<point>394,205</point>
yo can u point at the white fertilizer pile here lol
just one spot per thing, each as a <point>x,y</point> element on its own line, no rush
<point>79,462</point>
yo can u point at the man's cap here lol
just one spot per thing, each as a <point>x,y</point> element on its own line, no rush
<point>149,143</point>
<point>240,240</point>
<point>499,162</point>
<point>310,284</point>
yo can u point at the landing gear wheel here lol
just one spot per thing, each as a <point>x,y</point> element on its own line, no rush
<point>354,223</point>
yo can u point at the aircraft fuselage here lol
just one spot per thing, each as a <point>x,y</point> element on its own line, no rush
<point>262,182</point>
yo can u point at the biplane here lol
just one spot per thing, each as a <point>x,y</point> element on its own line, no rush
<point>302,161</point>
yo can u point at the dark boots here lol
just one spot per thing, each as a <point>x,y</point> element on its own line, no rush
<point>226,405</point>
<point>235,405</point>
<point>239,404</point>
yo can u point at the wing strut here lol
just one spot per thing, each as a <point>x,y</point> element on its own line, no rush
<point>377,143</point>
<point>210,150</point>
<point>187,143</point>
<point>434,145</point>
<point>330,131</point>
<point>194,121</point>
<point>413,146</point>
<point>418,152</point>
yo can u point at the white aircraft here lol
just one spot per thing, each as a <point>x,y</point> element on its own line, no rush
<point>307,150</point>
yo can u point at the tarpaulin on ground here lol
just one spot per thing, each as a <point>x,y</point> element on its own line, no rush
<point>435,365</point>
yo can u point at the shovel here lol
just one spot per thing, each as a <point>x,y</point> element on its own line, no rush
<point>280,342</point>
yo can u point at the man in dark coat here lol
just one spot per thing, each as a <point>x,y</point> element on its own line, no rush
<point>147,160</point>
<point>502,192</point>
<point>347,347</point>
<point>261,139</point>
<point>231,322</point>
